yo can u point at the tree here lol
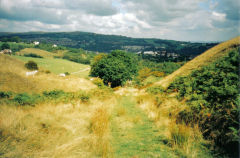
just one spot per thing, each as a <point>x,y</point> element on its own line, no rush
<point>5,46</point>
<point>15,39</point>
<point>115,68</point>
<point>31,65</point>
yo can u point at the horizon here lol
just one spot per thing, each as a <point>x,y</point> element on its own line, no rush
<point>192,21</point>
<point>116,35</point>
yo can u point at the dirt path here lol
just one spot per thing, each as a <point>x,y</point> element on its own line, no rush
<point>81,70</point>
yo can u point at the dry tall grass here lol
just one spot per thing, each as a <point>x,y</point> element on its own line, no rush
<point>44,131</point>
<point>99,127</point>
<point>56,130</point>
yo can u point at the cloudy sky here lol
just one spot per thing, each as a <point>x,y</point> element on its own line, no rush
<point>187,20</point>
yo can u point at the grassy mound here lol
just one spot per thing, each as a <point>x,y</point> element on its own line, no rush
<point>206,58</point>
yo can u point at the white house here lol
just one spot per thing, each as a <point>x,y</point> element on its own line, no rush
<point>36,43</point>
<point>54,45</point>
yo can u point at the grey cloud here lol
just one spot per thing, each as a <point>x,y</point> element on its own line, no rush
<point>95,7</point>
<point>168,19</point>
<point>230,7</point>
<point>53,11</point>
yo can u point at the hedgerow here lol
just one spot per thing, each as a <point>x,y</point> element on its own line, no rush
<point>57,96</point>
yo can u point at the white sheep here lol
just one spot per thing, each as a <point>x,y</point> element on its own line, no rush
<point>31,73</point>
<point>62,75</point>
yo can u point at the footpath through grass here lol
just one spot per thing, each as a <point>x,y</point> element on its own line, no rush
<point>134,134</point>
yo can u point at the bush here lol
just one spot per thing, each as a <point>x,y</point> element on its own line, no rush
<point>5,46</point>
<point>66,73</point>
<point>33,55</point>
<point>26,99</point>
<point>155,90</point>
<point>5,94</point>
<point>54,94</point>
<point>31,65</point>
<point>84,97</point>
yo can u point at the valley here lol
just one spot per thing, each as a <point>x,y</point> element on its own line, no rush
<point>81,115</point>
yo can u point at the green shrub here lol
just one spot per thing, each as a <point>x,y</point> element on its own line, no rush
<point>155,90</point>
<point>33,55</point>
<point>26,99</point>
<point>84,97</point>
<point>66,73</point>
<point>54,94</point>
<point>5,94</point>
<point>211,93</point>
<point>31,65</point>
<point>5,46</point>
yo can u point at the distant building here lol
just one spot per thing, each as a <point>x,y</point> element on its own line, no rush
<point>150,53</point>
<point>54,46</point>
<point>36,43</point>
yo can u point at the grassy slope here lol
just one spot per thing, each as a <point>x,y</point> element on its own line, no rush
<point>42,53</point>
<point>13,78</point>
<point>58,65</point>
<point>201,60</point>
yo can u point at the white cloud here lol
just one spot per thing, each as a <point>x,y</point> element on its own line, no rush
<point>218,16</point>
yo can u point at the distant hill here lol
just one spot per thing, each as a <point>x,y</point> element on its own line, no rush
<point>107,43</point>
<point>206,58</point>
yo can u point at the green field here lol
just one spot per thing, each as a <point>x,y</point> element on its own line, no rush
<point>58,66</point>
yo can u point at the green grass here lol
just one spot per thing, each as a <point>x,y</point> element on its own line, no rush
<point>58,66</point>
<point>134,135</point>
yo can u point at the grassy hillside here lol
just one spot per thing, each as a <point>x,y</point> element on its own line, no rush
<point>40,52</point>
<point>107,43</point>
<point>13,78</point>
<point>207,57</point>
<point>58,66</point>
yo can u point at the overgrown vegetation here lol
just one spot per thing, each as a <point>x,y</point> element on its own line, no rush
<point>212,97</point>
